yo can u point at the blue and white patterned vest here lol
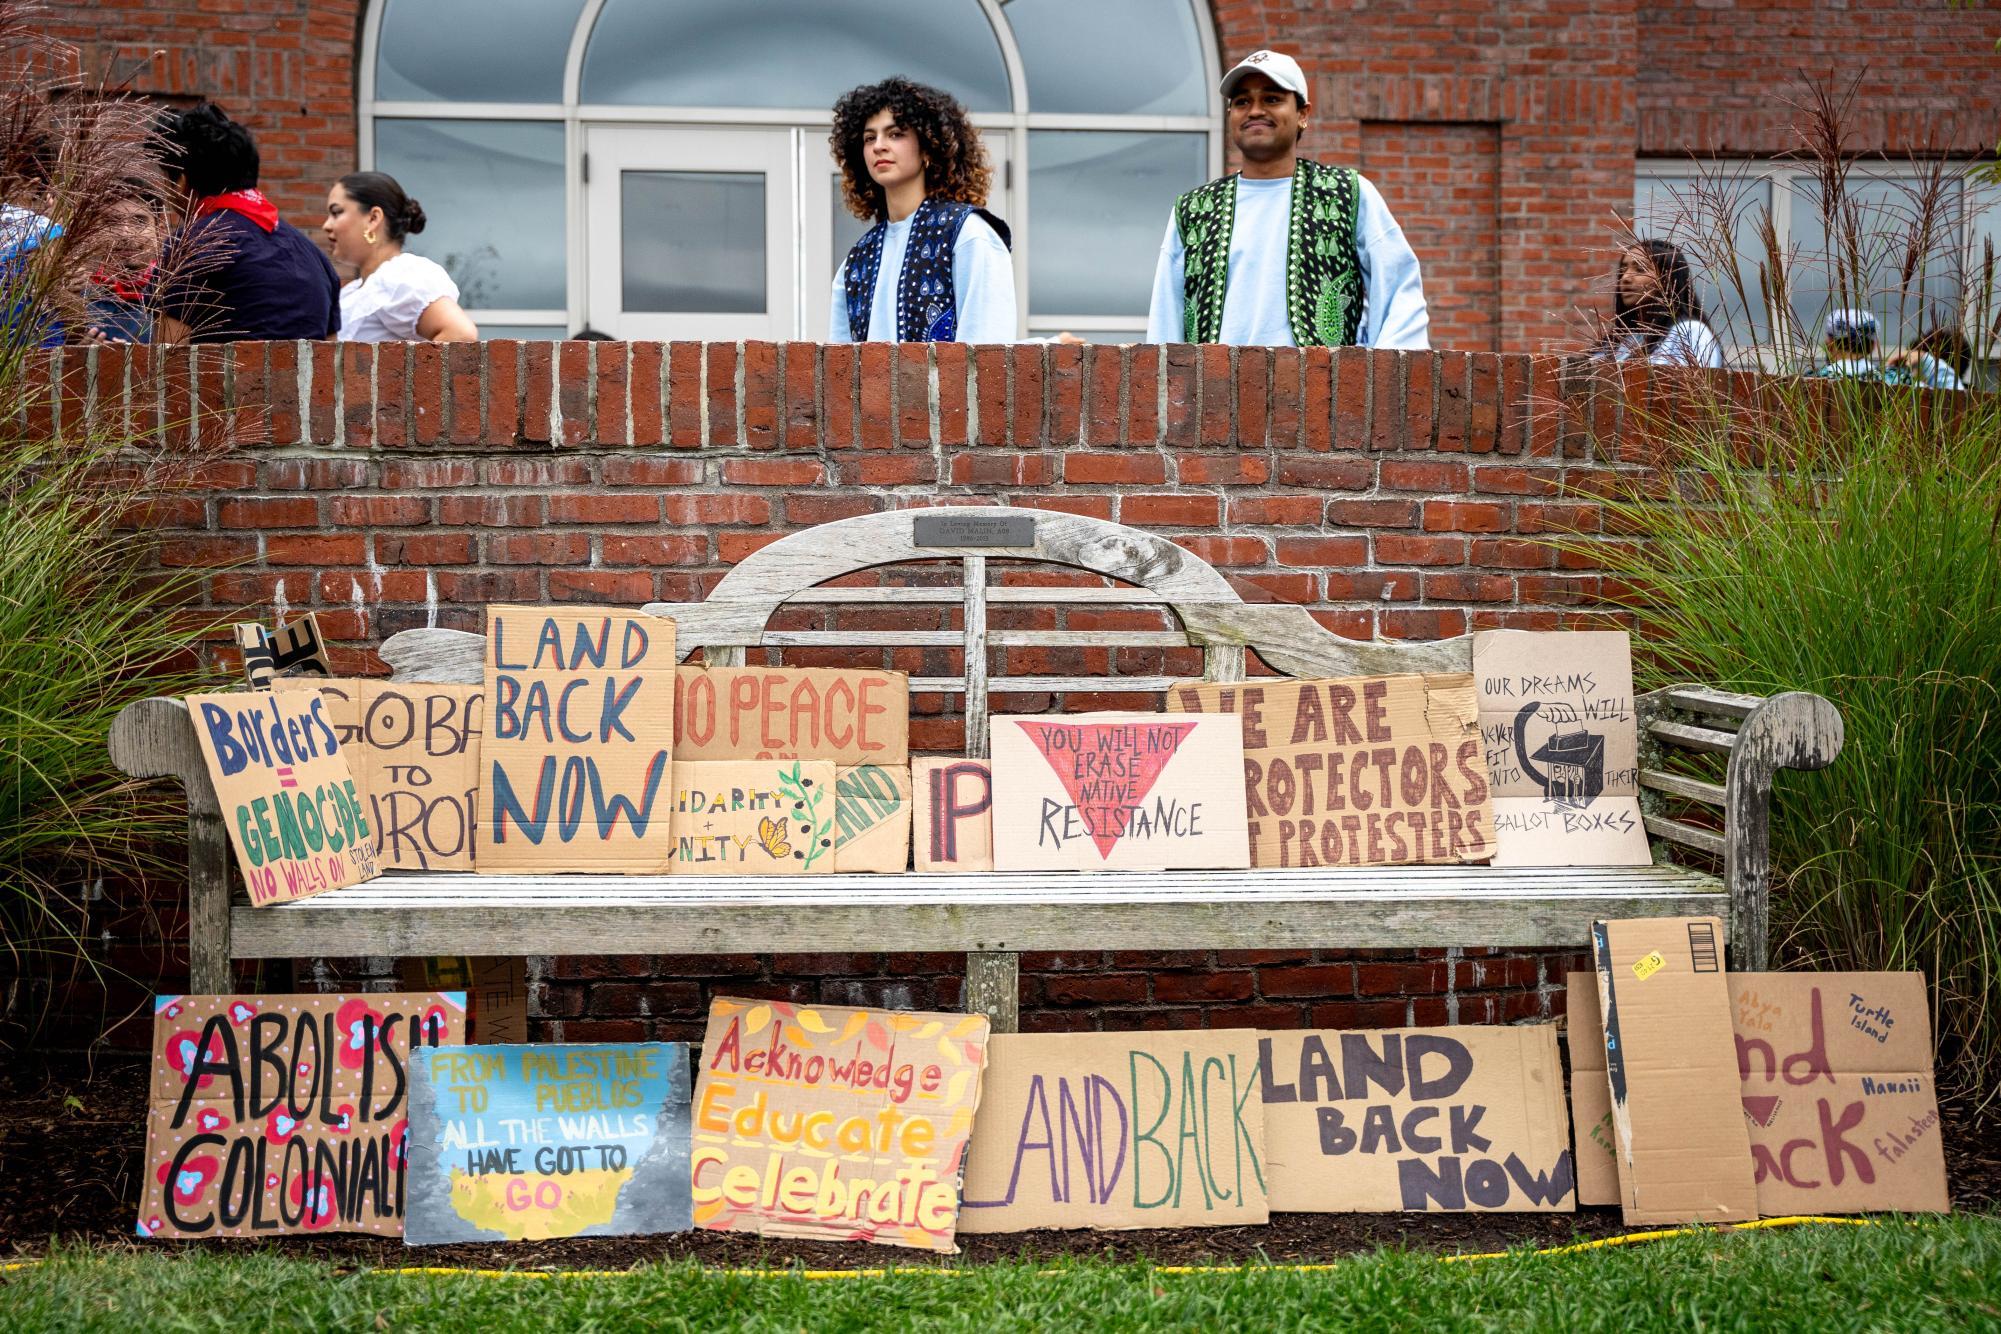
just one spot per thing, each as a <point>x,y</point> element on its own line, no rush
<point>926,308</point>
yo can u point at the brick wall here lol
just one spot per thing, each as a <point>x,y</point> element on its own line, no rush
<point>1396,495</point>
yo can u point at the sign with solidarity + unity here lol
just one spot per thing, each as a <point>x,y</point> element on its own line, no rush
<point>512,1143</point>
<point>284,1114</point>
<point>753,817</point>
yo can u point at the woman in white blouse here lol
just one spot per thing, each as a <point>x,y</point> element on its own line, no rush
<point>398,298</point>
<point>1656,315</point>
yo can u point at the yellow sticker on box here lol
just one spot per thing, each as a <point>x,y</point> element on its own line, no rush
<point>1644,968</point>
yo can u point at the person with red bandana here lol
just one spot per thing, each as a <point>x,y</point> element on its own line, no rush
<point>235,270</point>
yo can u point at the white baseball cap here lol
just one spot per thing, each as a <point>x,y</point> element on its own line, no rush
<point>1277,66</point>
<point>1850,323</point>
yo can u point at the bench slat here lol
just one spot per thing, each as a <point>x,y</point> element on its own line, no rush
<point>1043,685</point>
<point>1681,785</point>
<point>1722,703</point>
<point>1688,835</point>
<point>1695,738</point>
<point>951,593</point>
<point>957,639</point>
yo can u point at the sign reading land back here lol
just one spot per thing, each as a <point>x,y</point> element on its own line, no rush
<point>579,738</point>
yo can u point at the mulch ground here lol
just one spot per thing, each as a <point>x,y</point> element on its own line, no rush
<point>71,1138</point>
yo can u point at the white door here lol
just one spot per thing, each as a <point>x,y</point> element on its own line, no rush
<point>689,232</point>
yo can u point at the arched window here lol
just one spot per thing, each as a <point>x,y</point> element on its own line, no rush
<point>659,168</point>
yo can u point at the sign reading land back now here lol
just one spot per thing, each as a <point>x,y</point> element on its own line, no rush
<point>579,739</point>
<point>1469,1118</point>
<point>284,1114</point>
<point>287,795</point>
<point>1377,770</point>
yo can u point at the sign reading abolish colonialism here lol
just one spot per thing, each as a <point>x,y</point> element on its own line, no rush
<point>580,733</point>
<point>1367,771</point>
<point>753,817</point>
<point>1118,1130</point>
<point>286,793</point>
<point>793,713</point>
<point>1126,791</point>
<point>284,1114</point>
<point>1441,1119</point>
<point>834,1124</point>
<point>522,1143</point>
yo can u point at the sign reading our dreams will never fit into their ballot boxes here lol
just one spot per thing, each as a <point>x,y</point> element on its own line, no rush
<point>512,1143</point>
<point>286,793</point>
<point>1365,771</point>
<point>284,1114</point>
<point>579,741</point>
<point>834,1124</point>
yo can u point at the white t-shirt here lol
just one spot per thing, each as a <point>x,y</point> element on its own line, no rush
<point>1254,301</point>
<point>385,307</point>
<point>1688,343</point>
<point>982,287</point>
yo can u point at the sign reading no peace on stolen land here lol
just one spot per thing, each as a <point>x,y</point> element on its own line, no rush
<point>579,741</point>
<point>1364,771</point>
<point>286,793</point>
<point>512,1143</point>
<point>848,715</point>
<point>284,1114</point>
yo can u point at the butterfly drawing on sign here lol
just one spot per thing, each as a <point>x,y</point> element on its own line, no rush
<point>771,837</point>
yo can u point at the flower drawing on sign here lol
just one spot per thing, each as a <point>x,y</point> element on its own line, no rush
<point>816,825</point>
<point>186,1051</point>
<point>319,1211</point>
<point>360,1032</point>
<point>1575,755</point>
<point>190,1179</point>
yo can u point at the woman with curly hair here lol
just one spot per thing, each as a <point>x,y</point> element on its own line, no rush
<point>911,161</point>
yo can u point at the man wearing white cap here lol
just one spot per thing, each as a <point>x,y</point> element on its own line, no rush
<point>1288,253</point>
<point>1849,336</point>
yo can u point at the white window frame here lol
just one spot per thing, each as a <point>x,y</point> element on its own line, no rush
<point>575,114</point>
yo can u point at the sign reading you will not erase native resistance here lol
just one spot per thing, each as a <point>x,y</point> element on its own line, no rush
<point>579,740</point>
<point>287,794</point>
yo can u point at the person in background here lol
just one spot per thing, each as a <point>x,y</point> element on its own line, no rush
<point>25,229</point>
<point>1849,340</point>
<point>398,297</point>
<point>1942,359</point>
<point>1287,253</point>
<point>235,269</point>
<point>117,293</point>
<point>934,268</point>
<point>1656,315</point>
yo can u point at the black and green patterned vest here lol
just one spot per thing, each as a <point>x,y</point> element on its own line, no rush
<point>1323,277</point>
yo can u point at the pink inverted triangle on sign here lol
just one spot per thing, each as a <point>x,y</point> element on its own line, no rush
<point>1103,769</point>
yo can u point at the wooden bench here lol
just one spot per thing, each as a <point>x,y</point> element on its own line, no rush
<point>991,917</point>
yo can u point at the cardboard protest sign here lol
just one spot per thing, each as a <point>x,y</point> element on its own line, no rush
<point>1462,1119</point>
<point>287,795</point>
<point>1836,1073</point>
<point>872,818</point>
<point>343,697</point>
<point>835,1124</point>
<point>1121,791</point>
<point>952,821</point>
<point>496,992</point>
<point>1590,1095</point>
<point>296,648</point>
<point>1118,1130</point>
<point>1563,747</point>
<point>419,769</point>
<point>580,733</point>
<point>284,1114</point>
<point>1367,771</point>
<point>514,1143</point>
<point>793,713</point>
<point>753,817</point>
<point>1682,1150</point>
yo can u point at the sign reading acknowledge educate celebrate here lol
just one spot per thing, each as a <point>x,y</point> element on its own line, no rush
<point>1121,791</point>
<point>286,792</point>
<point>512,1143</point>
<point>1368,771</point>
<point>579,739</point>
<point>284,1114</point>
<point>834,1124</point>
<point>1469,1118</point>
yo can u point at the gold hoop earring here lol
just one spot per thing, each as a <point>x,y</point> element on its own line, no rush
<point>368,237</point>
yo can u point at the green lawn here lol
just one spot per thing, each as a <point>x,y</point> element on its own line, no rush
<point>1929,1275</point>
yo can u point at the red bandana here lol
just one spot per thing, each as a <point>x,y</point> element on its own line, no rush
<point>250,203</point>
<point>128,288</point>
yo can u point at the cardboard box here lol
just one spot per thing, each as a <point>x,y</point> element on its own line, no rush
<point>1463,1119</point>
<point>1679,1137</point>
<point>1364,771</point>
<point>496,992</point>
<point>1118,1130</point>
<point>952,821</point>
<point>576,761</point>
<point>1837,1089</point>
<point>872,818</point>
<point>1590,1095</point>
<point>753,817</point>
<point>1562,746</point>
<point>296,648</point>
<point>835,1124</point>
<point>277,1115</point>
<point>1119,791</point>
<point>793,713</point>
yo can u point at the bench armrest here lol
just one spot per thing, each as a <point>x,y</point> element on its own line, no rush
<point>155,738</point>
<point>1761,735</point>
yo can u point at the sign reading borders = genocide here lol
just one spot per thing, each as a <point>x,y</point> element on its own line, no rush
<point>513,1143</point>
<point>834,1124</point>
<point>272,1115</point>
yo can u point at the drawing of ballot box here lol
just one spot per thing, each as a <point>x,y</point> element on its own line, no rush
<point>1576,763</point>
